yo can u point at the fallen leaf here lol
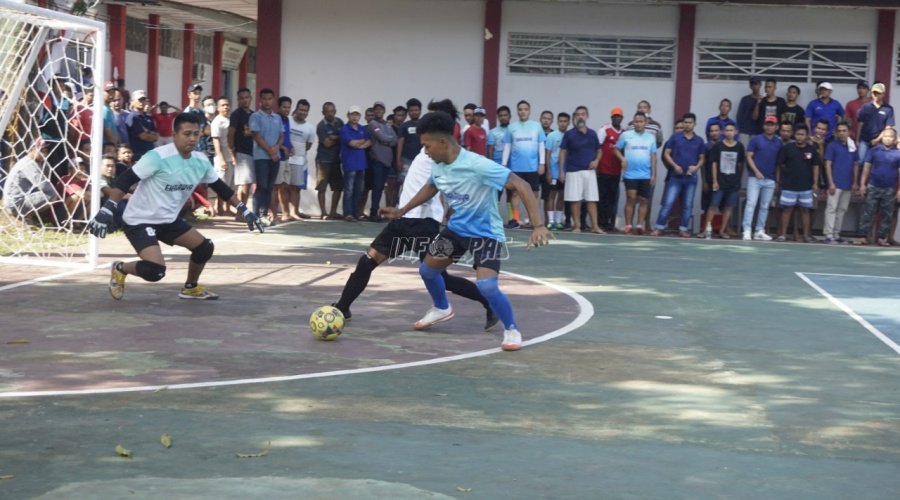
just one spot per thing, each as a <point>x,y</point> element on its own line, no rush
<point>263,453</point>
<point>163,388</point>
<point>166,440</point>
<point>122,452</point>
<point>4,478</point>
<point>440,394</point>
<point>18,341</point>
<point>464,490</point>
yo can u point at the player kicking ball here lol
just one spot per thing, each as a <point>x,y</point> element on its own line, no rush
<point>411,232</point>
<point>165,178</point>
<point>469,183</point>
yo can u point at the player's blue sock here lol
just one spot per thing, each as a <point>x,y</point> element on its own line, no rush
<point>499,303</point>
<point>434,282</point>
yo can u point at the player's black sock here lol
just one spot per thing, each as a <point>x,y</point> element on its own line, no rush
<point>465,288</point>
<point>120,266</point>
<point>357,282</point>
<point>190,285</point>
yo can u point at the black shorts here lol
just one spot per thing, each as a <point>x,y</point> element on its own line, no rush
<point>329,174</point>
<point>642,186</point>
<point>546,187</point>
<point>485,252</point>
<point>406,235</point>
<point>142,236</point>
<point>532,178</point>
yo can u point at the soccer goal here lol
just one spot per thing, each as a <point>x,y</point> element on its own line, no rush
<point>50,155</point>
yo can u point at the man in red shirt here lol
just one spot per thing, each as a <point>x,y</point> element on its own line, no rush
<point>475,139</point>
<point>609,171</point>
<point>853,107</point>
<point>81,121</point>
<point>163,121</point>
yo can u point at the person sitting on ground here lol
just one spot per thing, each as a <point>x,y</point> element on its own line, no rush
<point>27,192</point>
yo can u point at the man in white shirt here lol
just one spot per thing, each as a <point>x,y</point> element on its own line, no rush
<point>303,135</point>
<point>222,161</point>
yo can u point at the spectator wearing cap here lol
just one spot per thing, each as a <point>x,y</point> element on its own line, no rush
<point>142,133</point>
<point>164,121</point>
<point>194,94</point>
<point>383,140</point>
<point>762,157</point>
<point>793,112</point>
<point>110,131</point>
<point>475,137</point>
<point>824,108</point>
<point>747,126</point>
<point>874,117</point>
<point>609,170</point>
<point>721,119</point>
<point>354,142</point>
<point>770,104</point>
<point>853,107</point>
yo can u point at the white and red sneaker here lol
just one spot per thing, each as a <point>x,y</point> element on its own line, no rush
<point>434,316</point>
<point>512,340</point>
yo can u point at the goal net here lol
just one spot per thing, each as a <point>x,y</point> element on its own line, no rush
<point>52,126</point>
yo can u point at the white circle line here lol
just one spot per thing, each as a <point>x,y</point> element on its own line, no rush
<point>586,311</point>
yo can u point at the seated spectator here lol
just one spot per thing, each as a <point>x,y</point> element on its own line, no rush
<point>727,159</point>
<point>878,185</point>
<point>75,192</point>
<point>125,157</point>
<point>27,193</point>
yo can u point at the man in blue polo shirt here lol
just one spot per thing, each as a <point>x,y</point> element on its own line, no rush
<point>762,155</point>
<point>579,155</point>
<point>824,108</point>
<point>686,152</point>
<point>841,162</point>
<point>267,131</point>
<point>879,185</point>
<point>873,118</point>
<point>722,119</point>
<point>354,142</point>
<point>747,126</point>
<point>526,140</point>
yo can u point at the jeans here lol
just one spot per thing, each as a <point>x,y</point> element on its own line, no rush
<point>685,187</point>
<point>609,200</point>
<point>758,192</point>
<point>834,212</point>
<point>862,147</point>
<point>354,183</point>
<point>265,171</point>
<point>379,177</point>
<point>878,199</point>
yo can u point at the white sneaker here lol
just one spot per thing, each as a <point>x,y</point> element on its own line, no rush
<point>433,316</point>
<point>746,236</point>
<point>512,340</point>
<point>761,236</point>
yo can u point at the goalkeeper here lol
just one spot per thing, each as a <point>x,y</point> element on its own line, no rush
<point>165,178</point>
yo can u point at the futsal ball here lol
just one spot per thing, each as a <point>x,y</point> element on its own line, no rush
<point>326,323</point>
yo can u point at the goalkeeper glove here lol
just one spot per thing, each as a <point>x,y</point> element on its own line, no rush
<point>251,218</point>
<point>103,222</point>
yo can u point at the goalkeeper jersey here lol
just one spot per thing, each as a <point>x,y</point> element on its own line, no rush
<point>167,181</point>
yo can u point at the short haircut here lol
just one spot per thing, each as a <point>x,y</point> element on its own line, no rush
<point>547,112</point>
<point>436,122</point>
<point>242,90</point>
<point>399,109</point>
<point>795,88</point>
<point>414,102</point>
<point>727,125</point>
<point>109,157</point>
<point>221,97</point>
<point>523,101</point>
<point>689,116</point>
<point>185,118</point>
<point>267,91</point>
<point>123,146</point>
<point>716,125</point>
<point>208,96</point>
<point>772,80</point>
<point>725,100</point>
<point>842,123</point>
<point>503,108</point>
<point>445,105</point>
<point>564,115</point>
<point>370,110</point>
<point>302,102</point>
<point>326,104</point>
<point>789,124</point>
<point>582,107</point>
<point>471,106</point>
<point>641,114</point>
<point>801,126</point>
<point>644,101</point>
<point>822,120</point>
<point>285,99</point>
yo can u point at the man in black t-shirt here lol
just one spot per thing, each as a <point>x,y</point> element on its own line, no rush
<point>793,112</point>
<point>769,105</point>
<point>328,160</point>
<point>796,176</point>
<point>408,143</point>
<point>727,159</point>
<point>241,141</point>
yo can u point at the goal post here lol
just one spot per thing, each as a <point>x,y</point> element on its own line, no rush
<point>50,159</point>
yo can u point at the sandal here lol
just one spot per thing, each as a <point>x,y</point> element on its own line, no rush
<point>781,239</point>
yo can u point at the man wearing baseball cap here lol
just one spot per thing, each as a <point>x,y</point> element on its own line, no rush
<point>354,142</point>
<point>824,108</point>
<point>609,170</point>
<point>142,133</point>
<point>110,131</point>
<point>873,118</point>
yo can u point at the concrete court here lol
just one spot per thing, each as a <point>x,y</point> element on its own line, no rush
<point>708,370</point>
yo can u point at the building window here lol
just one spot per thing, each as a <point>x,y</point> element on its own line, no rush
<point>171,41</point>
<point>548,54</point>
<point>136,34</point>
<point>784,61</point>
<point>202,49</point>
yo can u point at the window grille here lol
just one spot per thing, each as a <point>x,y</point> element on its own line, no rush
<point>202,49</point>
<point>171,41</point>
<point>136,34</point>
<point>784,61</point>
<point>549,54</point>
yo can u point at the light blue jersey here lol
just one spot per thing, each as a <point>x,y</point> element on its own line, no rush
<point>554,139</point>
<point>637,149</point>
<point>495,138</point>
<point>525,139</point>
<point>470,186</point>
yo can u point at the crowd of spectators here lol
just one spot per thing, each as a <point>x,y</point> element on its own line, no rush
<point>775,153</point>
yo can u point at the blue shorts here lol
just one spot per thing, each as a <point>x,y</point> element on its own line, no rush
<point>724,198</point>
<point>802,199</point>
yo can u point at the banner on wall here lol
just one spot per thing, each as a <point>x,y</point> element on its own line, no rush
<point>232,53</point>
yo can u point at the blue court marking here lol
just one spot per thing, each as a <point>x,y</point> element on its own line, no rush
<point>873,301</point>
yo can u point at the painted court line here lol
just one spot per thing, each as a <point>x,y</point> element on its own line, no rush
<point>586,311</point>
<point>859,319</point>
<point>854,276</point>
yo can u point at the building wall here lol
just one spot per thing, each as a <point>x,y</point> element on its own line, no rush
<point>170,88</point>
<point>135,70</point>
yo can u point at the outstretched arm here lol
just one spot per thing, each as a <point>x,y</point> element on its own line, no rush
<point>426,193</point>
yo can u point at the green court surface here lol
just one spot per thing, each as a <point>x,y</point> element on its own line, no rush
<point>675,369</point>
